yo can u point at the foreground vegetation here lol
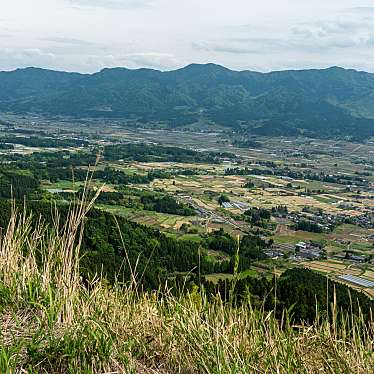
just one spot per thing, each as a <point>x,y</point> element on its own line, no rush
<point>54,321</point>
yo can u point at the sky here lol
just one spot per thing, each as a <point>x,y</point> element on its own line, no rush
<point>266,35</point>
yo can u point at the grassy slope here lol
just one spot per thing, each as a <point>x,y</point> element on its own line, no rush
<point>52,323</point>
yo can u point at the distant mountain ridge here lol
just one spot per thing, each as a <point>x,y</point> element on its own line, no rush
<point>326,102</point>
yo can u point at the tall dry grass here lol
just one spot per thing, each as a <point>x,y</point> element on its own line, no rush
<point>53,323</point>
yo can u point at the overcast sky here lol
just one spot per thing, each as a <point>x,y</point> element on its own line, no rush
<point>87,35</point>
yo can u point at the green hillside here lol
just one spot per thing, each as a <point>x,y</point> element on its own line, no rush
<point>328,102</point>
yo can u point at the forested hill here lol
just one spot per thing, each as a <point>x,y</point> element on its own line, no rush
<point>326,102</point>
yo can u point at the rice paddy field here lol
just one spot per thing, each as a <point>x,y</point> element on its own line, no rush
<point>163,220</point>
<point>259,197</point>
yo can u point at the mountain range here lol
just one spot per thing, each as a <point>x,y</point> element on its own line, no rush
<point>326,102</point>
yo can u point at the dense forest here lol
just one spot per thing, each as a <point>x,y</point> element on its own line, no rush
<point>41,142</point>
<point>305,225</point>
<point>305,294</point>
<point>166,204</point>
<point>306,174</point>
<point>108,241</point>
<point>332,102</point>
<point>149,153</point>
<point>17,183</point>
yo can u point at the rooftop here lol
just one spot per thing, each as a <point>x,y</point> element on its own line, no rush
<point>357,280</point>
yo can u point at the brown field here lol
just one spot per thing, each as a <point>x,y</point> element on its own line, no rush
<point>323,269</point>
<point>108,189</point>
<point>369,274</point>
<point>333,267</point>
<point>165,165</point>
<point>369,291</point>
<point>178,224</point>
<point>336,264</point>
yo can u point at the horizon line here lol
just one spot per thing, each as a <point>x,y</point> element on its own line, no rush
<point>183,68</point>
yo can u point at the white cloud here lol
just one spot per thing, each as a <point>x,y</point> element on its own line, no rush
<point>12,58</point>
<point>361,10</point>
<point>87,35</point>
<point>111,3</point>
<point>151,60</point>
<point>67,41</point>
